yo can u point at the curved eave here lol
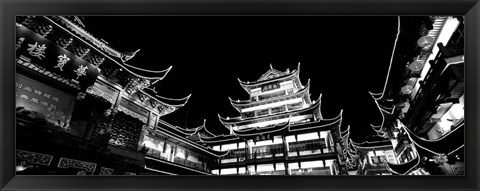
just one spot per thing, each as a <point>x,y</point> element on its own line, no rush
<point>447,144</point>
<point>218,139</point>
<point>204,128</point>
<point>405,168</point>
<point>106,51</point>
<point>155,76</point>
<point>219,153</point>
<point>379,96</point>
<point>256,131</point>
<point>351,147</point>
<point>194,144</point>
<point>384,112</point>
<point>184,132</point>
<point>238,104</point>
<point>167,101</point>
<point>190,132</point>
<point>345,138</point>
<point>388,109</point>
<point>248,86</point>
<point>376,96</point>
<point>243,103</point>
<point>318,125</point>
<point>234,120</point>
<point>376,128</point>
<point>345,132</point>
<point>371,145</point>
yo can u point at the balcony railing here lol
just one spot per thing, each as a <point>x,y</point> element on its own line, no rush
<point>299,151</point>
<point>180,161</point>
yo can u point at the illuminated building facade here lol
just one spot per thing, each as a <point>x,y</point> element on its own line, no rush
<point>280,131</point>
<point>82,110</point>
<point>422,103</point>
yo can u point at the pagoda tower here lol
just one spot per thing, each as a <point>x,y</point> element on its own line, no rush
<point>279,131</point>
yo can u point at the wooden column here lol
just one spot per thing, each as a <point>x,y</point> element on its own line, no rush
<point>173,152</point>
<point>285,155</point>
<point>247,156</point>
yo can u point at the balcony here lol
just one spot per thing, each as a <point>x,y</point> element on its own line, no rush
<point>178,160</point>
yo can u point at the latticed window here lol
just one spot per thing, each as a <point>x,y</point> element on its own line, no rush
<point>278,109</point>
<point>290,91</point>
<point>294,106</point>
<point>262,112</point>
<point>307,145</point>
<point>248,114</point>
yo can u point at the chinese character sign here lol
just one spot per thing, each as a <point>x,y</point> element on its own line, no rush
<point>81,71</point>
<point>55,105</point>
<point>62,60</point>
<point>44,52</point>
<point>37,50</point>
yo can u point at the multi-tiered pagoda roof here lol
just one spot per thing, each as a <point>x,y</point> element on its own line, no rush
<point>272,75</point>
<point>286,124</point>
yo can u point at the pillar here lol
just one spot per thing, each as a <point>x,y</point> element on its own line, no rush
<point>173,153</point>
<point>285,155</point>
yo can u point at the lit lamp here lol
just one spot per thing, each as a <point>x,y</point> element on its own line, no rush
<point>407,89</point>
<point>415,66</point>
<point>406,107</point>
<point>425,41</point>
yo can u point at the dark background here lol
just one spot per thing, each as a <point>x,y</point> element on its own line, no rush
<point>344,57</point>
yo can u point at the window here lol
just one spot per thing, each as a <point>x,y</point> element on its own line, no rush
<point>248,114</point>
<point>294,106</point>
<point>271,95</point>
<point>290,91</point>
<point>278,109</point>
<point>306,147</point>
<point>228,171</point>
<point>229,146</point>
<point>262,112</point>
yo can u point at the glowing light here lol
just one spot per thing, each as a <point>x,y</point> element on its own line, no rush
<point>312,164</point>
<point>425,41</point>
<point>416,66</point>
<point>449,27</point>
<point>407,89</point>
<point>308,136</point>
<point>265,167</point>
<point>228,171</point>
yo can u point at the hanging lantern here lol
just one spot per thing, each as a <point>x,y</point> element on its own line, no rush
<point>407,89</point>
<point>415,66</point>
<point>425,41</point>
<point>411,81</point>
<point>81,96</point>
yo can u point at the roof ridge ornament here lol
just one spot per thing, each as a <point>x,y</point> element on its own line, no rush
<point>128,55</point>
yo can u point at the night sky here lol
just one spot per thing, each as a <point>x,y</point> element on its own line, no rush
<point>344,57</point>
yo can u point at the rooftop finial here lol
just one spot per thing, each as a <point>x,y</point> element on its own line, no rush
<point>128,55</point>
<point>271,67</point>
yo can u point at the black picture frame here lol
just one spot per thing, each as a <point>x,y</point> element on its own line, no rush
<point>10,8</point>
